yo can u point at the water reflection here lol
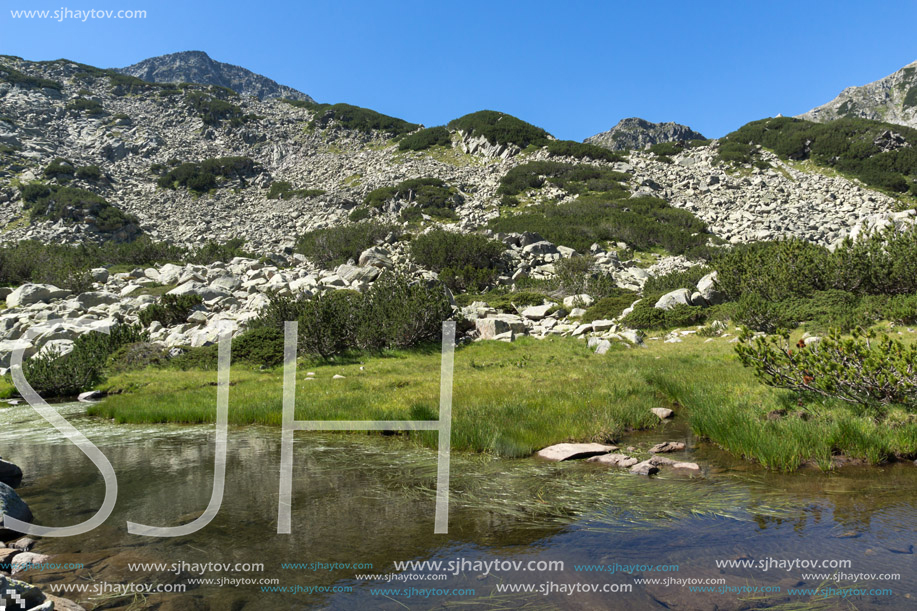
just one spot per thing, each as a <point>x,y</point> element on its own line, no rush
<point>368,499</point>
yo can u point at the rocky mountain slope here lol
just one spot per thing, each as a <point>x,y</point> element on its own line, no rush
<point>121,135</point>
<point>637,133</point>
<point>892,99</point>
<point>197,67</point>
<point>84,149</point>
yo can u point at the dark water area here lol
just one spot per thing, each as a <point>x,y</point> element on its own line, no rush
<point>369,500</point>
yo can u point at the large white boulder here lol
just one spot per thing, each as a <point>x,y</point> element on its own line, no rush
<point>96,298</point>
<point>7,347</point>
<point>537,312</point>
<point>27,294</point>
<point>675,298</point>
<point>709,289</point>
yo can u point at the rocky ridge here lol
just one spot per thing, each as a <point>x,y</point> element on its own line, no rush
<point>637,133</point>
<point>892,99</point>
<point>134,132</point>
<point>198,67</point>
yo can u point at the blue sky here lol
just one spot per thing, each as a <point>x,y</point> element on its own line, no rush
<point>574,68</point>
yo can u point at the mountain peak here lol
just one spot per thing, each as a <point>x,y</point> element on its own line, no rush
<point>892,99</point>
<point>198,67</point>
<point>637,133</point>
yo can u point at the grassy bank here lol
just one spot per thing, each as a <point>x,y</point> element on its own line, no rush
<point>512,399</point>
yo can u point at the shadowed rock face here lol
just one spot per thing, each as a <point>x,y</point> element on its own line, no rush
<point>198,67</point>
<point>13,506</point>
<point>637,133</point>
<point>10,474</point>
<point>892,99</point>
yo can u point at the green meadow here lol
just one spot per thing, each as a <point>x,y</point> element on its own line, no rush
<point>511,399</point>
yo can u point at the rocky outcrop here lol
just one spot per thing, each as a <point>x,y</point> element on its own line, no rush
<point>13,506</point>
<point>892,99</point>
<point>636,133</point>
<point>753,205</point>
<point>198,67</point>
<point>10,474</point>
<point>16,594</point>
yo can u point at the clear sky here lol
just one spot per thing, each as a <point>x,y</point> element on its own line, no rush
<point>574,68</point>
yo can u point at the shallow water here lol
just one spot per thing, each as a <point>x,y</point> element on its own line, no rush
<point>370,499</point>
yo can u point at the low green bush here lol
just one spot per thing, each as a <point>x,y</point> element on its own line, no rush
<point>91,173</point>
<point>394,313</point>
<point>59,168</point>
<point>573,178</point>
<point>500,128</point>
<point>53,374</point>
<point>643,223</point>
<point>171,310</point>
<point>865,369</point>
<point>502,300</point>
<point>282,189</point>
<point>578,275</point>
<point>682,279</point>
<point>464,262</point>
<point>355,118</point>
<point>92,108</point>
<point>610,306</point>
<point>67,266</point>
<point>72,204</point>
<point>646,316</point>
<point>20,79</point>
<point>335,245</point>
<point>262,347</point>
<point>420,196</point>
<point>136,356</point>
<point>760,314</point>
<point>881,264</point>
<point>213,110</point>
<point>208,174</point>
<point>399,313</point>
<point>426,138</point>
<point>850,145</point>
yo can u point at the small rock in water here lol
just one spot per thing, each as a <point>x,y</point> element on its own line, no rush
<point>7,554</point>
<point>27,595</point>
<point>615,460</point>
<point>644,468</point>
<point>572,451</point>
<point>62,604</point>
<point>12,506</point>
<point>10,474</point>
<point>687,466</point>
<point>90,396</point>
<point>25,561</point>
<point>660,461</point>
<point>667,446</point>
<point>662,412</point>
<point>24,544</point>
